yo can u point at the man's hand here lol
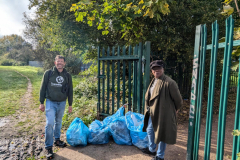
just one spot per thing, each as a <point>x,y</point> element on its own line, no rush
<point>42,107</point>
<point>70,109</point>
<point>177,112</point>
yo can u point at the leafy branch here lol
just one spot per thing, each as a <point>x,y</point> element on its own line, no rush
<point>117,14</point>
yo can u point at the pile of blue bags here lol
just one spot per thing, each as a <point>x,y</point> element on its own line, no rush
<point>125,130</point>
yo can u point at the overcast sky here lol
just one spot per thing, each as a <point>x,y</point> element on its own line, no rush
<point>11,16</point>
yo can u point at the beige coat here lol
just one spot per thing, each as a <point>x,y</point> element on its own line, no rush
<point>163,103</point>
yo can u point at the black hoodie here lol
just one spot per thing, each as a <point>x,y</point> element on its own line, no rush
<point>51,88</point>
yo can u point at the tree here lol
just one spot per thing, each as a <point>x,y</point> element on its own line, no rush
<point>169,25</point>
<point>118,14</point>
<point>172,32</point>
<point>54,32</point>
<point>14,47</point>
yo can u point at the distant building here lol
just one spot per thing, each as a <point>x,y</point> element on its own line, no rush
<point>36,63</point>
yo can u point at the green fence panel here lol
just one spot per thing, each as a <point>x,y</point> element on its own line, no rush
<point>197,88</point>
<point>131,62</point>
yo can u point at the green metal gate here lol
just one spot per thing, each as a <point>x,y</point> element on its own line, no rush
<point>197,92</point>
<point>125,78</point>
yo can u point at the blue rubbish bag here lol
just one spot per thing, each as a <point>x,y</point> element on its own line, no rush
<point>99,133</point>
<point>77,133</point>
<point>109,119</point>
<point>120,132</point>
<point>135,123</point>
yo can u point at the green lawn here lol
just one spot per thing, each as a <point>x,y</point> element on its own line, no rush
<point>13,86</point>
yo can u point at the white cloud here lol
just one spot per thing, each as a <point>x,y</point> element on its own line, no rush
<point>11,15</point>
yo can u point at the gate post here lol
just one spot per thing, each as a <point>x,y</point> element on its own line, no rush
<point>146,70</point>
<point>193,94</point>
<point>200,90</point>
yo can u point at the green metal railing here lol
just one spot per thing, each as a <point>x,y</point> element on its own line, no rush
<point>127,75</point>
<point>214,49</point>
<point>197,91</point>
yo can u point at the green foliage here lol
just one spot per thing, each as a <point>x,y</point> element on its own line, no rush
<point>31,158</point>
<point>73,63</point>
<point>118,14</point>
<point>85,102</point>
<point>7,62</point>
<point>92,70</point>
<point>40,71</point>
<point>89,90</point>
<point>56,32</point>
<point>236,133</point>
<point>227,9</point>
<point>230,8</point>
<point>14,50</point>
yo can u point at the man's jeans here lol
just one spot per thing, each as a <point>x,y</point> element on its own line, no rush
<point>54,114</point>
<point>152,145</point>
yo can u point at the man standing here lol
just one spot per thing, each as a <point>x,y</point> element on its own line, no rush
<point>162,101</point>
<point>56,88</point>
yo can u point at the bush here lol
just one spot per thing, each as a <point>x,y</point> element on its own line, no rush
<point>40,71</point>
<point>7,62</point>
<point>73,63</point>
<point>84,102</point>
<point>19,63</point>
<point>84,108</point>
<point>87,88</point>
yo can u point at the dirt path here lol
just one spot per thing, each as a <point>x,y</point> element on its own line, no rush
<point>27,119</point>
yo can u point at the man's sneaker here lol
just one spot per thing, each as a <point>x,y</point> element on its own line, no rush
<point>49,154</point>
<point>146,151</point>
<point>60,143</point>
<point>157,158</point>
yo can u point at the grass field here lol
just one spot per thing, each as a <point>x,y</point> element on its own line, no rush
<point>13,86</point>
